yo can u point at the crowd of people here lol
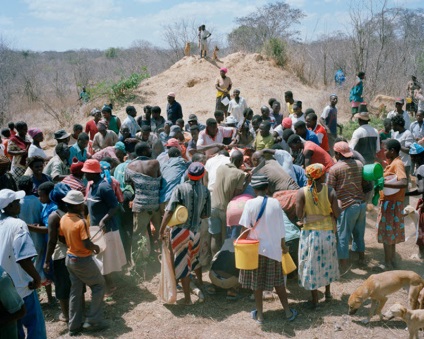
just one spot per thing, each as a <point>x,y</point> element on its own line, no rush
<point>283,176</point>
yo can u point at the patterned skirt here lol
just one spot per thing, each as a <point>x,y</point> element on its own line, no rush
<point>185,247</point>
<point>391,228</point>
<point>318,263</point>
<point>268,275</point>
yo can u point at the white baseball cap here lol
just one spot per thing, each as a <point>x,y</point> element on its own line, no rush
<point>8,196</point>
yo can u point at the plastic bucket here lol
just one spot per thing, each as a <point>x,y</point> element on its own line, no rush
<point>287,263</point>
<point>247,254</point>
<point>372,172</point>
<point>179,216</point>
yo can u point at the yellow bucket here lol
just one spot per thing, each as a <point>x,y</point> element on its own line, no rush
<point>179,216</point>
<point>287,263</point>
<point>408,100</point>
<point>247,254</point>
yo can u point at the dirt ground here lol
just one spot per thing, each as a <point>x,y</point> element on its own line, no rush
<point>135,311</point>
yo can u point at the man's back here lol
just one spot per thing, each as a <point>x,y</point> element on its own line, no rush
<point>366,141</point>
<point>279,179</point>
<point>150,168</point>
<point>229,181</point>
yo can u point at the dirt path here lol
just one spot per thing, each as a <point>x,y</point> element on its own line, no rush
<point>136,312</point>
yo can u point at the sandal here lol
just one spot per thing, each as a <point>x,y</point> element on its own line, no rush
<point>254,316</point>
<point>294,315</point>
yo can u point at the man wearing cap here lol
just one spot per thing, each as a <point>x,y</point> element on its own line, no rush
<point>113,122</point>
<point>185,237</point>
<point>91,125</point>
<point>211,139</point>
<point>104,137</point>
<point>399,111</point>
<point>143,173</point>
<point>193,121</point>
<point>328,119</point>
<point>365,139</point>
<point>57,168</point>
<point>173,108</point>
<point>237,105</point>
<point>130,121</point>
<point>312,124</point>
<point>312,153</point>
<point>230,182</point>
<point>16,253</point>
<point>75,179</point>
<point>355,94</point>
<point>163,157</point>
<point>82,268</point>
<point>79,149</point>
<point>116,152</point>
<point>223,86</point>
<point>346,179</point>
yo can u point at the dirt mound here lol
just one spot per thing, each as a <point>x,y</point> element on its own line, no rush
<point>193,81</point>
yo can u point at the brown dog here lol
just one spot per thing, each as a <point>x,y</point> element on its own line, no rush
<point>378,286</point>
<point>421,300</point>
<point>215,53</point>
<point>187,49</point>
<point>414,318</point>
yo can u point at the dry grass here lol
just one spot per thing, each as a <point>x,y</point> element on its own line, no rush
<point>135,311</point>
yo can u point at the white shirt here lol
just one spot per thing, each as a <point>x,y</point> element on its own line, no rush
<point>406,139</point>
<point>206,140</point>
<point>212,165</point>
<point>270,229</point>
<point>35,151</point>
<point>364,131</point>
<point>16,245</point>
<point>286,162</point>
<point>132,125</point>
<point>405,116</point>
<point>294,118</point>
<point>236,109</point>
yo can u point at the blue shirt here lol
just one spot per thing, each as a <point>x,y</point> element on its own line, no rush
<point>311,136</point>
<point>172,171</point>
<point>75,151</point>
<point>174,112</point>
<point>300,175</point>
<point>46,211</point>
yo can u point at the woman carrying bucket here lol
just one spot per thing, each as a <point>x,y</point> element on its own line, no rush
<point>263,221</point>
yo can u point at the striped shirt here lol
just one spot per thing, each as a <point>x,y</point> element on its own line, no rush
<point>74,183</point>
<point>346,179</point>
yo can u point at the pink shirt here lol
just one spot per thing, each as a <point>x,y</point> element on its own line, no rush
<point>206,140</point>
<point>320,156</point>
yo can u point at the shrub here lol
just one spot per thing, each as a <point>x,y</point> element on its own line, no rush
<point>276,49</point>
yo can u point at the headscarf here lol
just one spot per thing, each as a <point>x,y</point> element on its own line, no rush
<point>120,146</point>
<point>105,166</point>
<point>34,131</point>
<point>313,173</point>
<point>223,69</point>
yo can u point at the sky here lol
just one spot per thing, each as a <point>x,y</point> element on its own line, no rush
<point>60,25</point>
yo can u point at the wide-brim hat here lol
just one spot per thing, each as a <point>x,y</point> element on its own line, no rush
<point>91,166</point>
<point>74,197</point>
<point>61,134</point>
<point>363,116</point>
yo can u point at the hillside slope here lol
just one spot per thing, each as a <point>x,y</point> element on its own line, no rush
<point>193,81</point>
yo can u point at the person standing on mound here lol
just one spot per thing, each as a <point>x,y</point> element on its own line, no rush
<point>268,228</point>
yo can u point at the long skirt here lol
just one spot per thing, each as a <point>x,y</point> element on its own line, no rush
<point>113,257</point>
<point>186,248</point>
<point>268,275</point>
<point>391,228</point>
<point>318,263</point>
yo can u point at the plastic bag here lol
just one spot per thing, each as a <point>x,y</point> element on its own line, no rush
<point>168,284</point>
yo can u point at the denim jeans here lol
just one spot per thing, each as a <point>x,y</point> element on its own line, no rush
<point>351,222</point>
<point>33,319</point>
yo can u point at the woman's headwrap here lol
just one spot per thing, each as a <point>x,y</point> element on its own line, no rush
<point>105,166</point>
<point>313,173</point>
<point>223,69</point>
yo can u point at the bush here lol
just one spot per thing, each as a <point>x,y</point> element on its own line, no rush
<point>276,49</point>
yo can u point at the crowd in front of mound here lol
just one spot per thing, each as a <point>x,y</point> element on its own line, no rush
<point>283,176</point>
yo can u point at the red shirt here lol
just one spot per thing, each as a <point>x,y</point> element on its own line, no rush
<point>91,128</point>
<point>324,141</point>
<point>319,155</point>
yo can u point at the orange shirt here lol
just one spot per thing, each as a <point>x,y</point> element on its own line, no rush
<point>73,228</point>
<point>396,167</point>
<point>324,142</point>
<point>319,155</point>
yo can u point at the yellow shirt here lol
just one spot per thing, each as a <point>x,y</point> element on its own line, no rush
<point>318,217</point>
<point>73,228</point>
<point>290,107</point>
<point>262,143</point>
